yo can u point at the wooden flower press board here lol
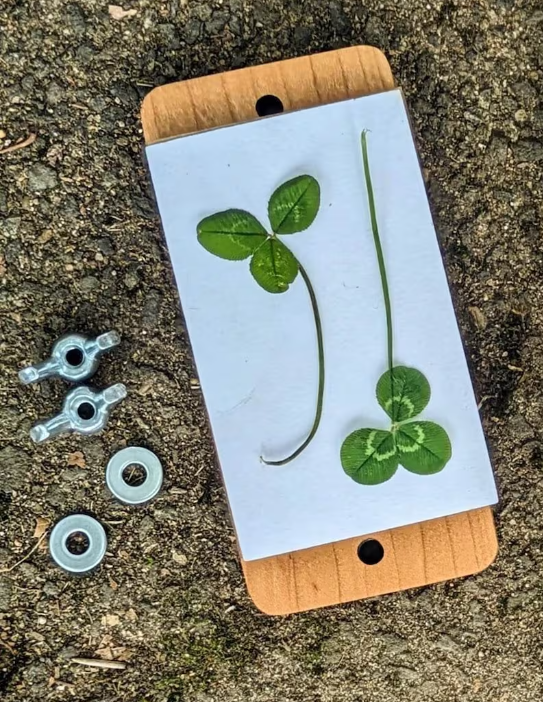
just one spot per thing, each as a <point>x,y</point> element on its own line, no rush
<point>415,555</point>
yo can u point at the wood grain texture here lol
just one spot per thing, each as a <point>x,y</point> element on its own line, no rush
<point>415,555</point>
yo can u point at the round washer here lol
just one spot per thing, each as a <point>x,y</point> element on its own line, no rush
<point>134,494</point>
<point>78,563</point>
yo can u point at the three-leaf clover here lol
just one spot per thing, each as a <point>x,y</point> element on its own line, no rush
<point>236,235</point>
<point>372,456</point>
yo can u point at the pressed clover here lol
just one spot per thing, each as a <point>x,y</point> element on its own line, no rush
<point>236,235</point>
<point>372,456</point>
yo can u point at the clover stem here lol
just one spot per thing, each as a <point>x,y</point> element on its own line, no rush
<point>378,248</point>
<point>320,391</point>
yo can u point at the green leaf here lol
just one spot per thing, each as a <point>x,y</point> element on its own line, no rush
<point>423,447</point>
<point>294,205</point>
<point>369,456</point>
<point>232,234</point>
<point>404,393</point>
<point>273,266</point>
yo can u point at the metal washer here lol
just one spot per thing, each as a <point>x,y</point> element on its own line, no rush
<point>134,494</point>
<point>79,563</point>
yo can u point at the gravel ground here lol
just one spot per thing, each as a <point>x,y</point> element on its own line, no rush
<point>81,250</point>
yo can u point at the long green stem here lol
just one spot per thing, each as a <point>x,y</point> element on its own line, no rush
<point>320,391</point>
<point>379,249</point>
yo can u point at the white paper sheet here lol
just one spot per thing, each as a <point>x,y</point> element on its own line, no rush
<point>256,352</point>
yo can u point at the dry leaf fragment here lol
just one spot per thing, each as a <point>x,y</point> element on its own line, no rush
<point>122,654</point>
<point>479,317</point>
<point>110,653</point>
<point>41,527</point>
<point>131,615</point>
<point>113,585</point>
<point>116,12</point>
<point>35,636</point>
<point>179,558</point>
<point>105,641</point>
<point>145,387</point>
<point>76,459</point>
<point>46,236</point>
<point>105,653</point>
<point>54,154</point>
<point>110,620</point>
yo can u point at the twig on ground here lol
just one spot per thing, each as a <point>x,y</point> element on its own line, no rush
<point>8,646</point>
<point>99,663</point>
<point>34,548</point>
<point>21,145</point>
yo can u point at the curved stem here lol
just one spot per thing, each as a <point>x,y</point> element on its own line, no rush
<point>320,391</point>
<point>379,249</point>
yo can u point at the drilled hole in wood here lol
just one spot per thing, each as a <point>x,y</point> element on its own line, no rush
<point>370,552</point>
<point>268,105</point>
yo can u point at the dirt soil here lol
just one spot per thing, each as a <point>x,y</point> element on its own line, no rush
<point>81,249</point>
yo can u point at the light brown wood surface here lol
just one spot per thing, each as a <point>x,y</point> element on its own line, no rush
<point>415,555</point>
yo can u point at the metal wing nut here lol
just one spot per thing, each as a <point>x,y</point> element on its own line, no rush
<point>84,411</point>
<point>74,357</point>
